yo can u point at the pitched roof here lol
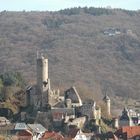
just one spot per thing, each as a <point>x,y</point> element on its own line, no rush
<point>21,126</point>
<point>73,95</point>
<point>48,135</point>
<point>125,114</point>
<point>131,131</point>
<point>58,113</point>
<point>24,133</point>
<point>37,128</point>
<point>4,121</point>
<point>73,132</point>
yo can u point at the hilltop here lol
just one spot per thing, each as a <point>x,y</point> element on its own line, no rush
<point>91,48</point>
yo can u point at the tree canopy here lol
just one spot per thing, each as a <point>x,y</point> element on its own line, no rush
<point>10,79</point>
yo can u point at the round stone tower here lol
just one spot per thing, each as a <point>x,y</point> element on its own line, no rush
<point>42,72</point>
<point>43,82</point>
<point>106,99</point>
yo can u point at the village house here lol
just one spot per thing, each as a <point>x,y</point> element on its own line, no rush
<point>129,118</point>
<point>128,132</point>
<point>55,111</point>
<point>77,134</point>
<point>51,136</point>
<point>37,130</point>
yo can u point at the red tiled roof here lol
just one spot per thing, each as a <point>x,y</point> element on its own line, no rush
<point>131,131</point>
<point>48,135</point>
<point>24,133</point>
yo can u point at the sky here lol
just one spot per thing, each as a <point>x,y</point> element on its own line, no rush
<point>54,5</point>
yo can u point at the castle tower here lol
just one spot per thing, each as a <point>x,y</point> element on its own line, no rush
<point>116,123</point>
<point>43,82</point>
<point>106,99</point>
<point>125,119</point>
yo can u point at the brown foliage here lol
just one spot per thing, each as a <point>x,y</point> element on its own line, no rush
<point>76,47</point>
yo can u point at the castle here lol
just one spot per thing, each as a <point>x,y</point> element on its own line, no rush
<point>63,108</point>
<point>49,106</point>
<point>42,94</point>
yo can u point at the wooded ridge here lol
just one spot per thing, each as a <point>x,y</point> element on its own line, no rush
<point>91,48</point>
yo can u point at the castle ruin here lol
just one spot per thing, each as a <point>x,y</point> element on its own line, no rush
<point>68,109</point>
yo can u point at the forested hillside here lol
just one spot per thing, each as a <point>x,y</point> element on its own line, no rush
<point>91,48</point>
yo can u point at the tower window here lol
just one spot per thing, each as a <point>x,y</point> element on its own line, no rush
<point>45,83</point>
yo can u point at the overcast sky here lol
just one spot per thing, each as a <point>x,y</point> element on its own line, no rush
<point>53,5</point>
